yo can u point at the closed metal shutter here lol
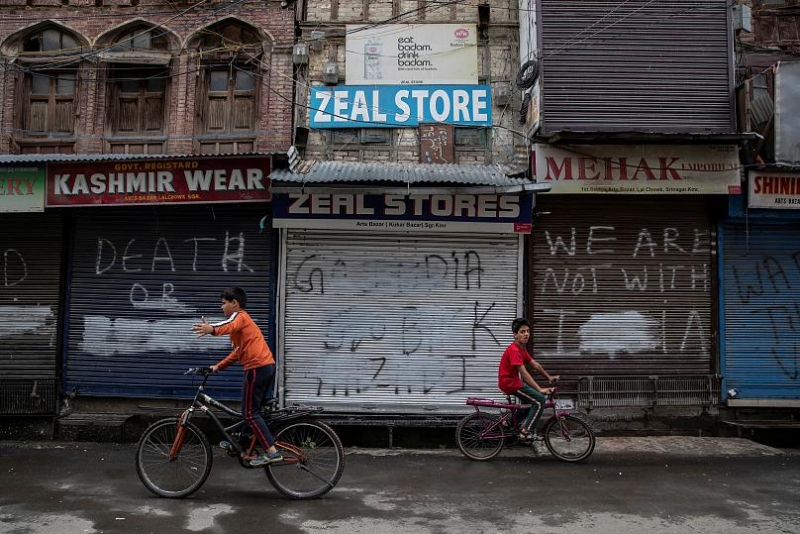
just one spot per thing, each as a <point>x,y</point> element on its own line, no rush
<point>396,323</point>
<point>622,286</point>
<point>636,65</point>
<point>142,276</point>
<point>30,279</point>
<point>761,266</point>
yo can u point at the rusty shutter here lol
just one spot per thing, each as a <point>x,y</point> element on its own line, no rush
<point>396,323</point>
<point>636,65</point>
<point>30,281</point>
<point>622,286</point>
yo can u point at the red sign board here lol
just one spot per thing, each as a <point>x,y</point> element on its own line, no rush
<point>159,181</point>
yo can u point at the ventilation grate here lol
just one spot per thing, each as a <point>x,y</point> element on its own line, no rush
<point>28,397</point>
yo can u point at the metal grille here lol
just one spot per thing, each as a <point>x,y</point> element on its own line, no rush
<point>28,397</point>
<point>636,65</point>
<point>650,391</point>
<point>396,323</point>
<point>761,311</point>
<point>142,276</point>
<point>622,286</point>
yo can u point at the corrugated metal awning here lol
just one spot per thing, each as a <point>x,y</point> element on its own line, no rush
<point>337,172</point>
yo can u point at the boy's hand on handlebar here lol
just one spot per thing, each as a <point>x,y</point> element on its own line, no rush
<point>554,379</point>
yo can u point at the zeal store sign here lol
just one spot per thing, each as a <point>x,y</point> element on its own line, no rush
<point>645,169</point>
<point>419,213</point>
<point>391,106</point>
<point>159,181</point>
<point>775,190</point>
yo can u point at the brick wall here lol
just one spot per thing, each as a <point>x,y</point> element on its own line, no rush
<point>88,22</point>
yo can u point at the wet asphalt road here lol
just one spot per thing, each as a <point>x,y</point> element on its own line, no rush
<point>648,485</point>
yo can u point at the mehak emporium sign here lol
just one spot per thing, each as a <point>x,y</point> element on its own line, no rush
<point>645,169</point>
<point>159,181</point>
<point>779,190</point>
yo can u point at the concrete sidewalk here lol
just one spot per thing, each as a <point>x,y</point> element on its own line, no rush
<point>679,446</point>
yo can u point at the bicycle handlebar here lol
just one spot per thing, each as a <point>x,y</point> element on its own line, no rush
<point>205,371</point>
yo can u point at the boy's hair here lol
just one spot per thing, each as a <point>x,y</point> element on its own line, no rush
<point>518,323</point>
<point>237,294</point>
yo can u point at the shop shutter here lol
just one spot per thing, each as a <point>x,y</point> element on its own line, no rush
<point>622,286</point>
<point>30,271</point>
<point>396,323</point>
<point>142,276</point>
<point>761,266</point>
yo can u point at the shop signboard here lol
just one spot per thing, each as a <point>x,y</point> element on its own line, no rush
<point>776,190</point>
<point>391,54</point>
<point>21,189</point>
<point>392,106</point>
<point>642,169</point>
<point>159,181</point>
<point>416,212</point>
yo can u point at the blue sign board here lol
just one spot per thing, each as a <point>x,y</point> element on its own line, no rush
<point>392,106</point>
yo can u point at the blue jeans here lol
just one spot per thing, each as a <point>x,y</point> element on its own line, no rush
<point>528,395</point>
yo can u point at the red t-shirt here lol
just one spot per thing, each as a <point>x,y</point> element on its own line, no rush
<point>508,375</point>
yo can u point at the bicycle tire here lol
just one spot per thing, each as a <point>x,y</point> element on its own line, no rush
<point>313,460</point>
<point>569,438</point>
<point>173,478</point>
<point>472,443</point>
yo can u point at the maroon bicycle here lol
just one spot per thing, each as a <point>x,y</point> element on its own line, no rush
<point>482,435</point>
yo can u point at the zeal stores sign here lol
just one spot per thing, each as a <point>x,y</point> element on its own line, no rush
<point>416,212</point>
<point>159,181</point>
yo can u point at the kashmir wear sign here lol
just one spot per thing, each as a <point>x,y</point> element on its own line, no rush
<point>779,190</point>
<point>645,169</point>
<point>411,54</point>
<point>21,189</point>
<point>417,212</point>
<point>159,181</point>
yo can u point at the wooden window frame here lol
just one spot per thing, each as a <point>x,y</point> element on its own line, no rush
<point>117,97</point>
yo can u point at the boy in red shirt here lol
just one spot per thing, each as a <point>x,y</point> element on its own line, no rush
<point>514,377</point>
<point>251,350</point>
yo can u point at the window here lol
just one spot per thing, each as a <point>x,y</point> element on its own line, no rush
<point>340,137</point>
<point>48,91</point>
<point>139,94</point>
<point>230,103</point>
<point>228,91</point>
<point>139,75</point>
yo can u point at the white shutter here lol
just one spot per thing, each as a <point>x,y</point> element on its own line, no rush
<point>396,323</point>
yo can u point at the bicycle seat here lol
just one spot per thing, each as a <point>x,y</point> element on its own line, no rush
<point>270,403</point>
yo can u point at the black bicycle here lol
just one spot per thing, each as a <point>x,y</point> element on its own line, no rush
<point>174,457</point>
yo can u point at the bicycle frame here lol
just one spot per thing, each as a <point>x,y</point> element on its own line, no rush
<point>506,425</point>
<point>205,404</point>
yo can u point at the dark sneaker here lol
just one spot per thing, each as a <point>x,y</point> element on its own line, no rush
<point>266,459</point>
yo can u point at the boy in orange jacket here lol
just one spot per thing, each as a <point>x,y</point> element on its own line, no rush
<point>251,350</point>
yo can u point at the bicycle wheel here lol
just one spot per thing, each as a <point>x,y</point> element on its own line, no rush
<point>176,477</point>
<point>479,437</point>
<point>313,460</point>
<point>569,438</point>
